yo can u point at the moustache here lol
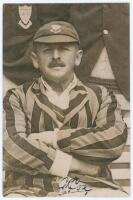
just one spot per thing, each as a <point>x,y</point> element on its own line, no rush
<point>56,63</point>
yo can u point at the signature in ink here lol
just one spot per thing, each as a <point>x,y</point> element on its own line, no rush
<point>70,185</point>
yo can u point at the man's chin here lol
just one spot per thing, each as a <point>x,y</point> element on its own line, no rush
<point>54,79</point>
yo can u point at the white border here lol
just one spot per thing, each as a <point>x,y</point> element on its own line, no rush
<point>1,87</point>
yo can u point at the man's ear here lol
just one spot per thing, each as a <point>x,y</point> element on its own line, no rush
<point>34,60</point>
<point>78,57</point>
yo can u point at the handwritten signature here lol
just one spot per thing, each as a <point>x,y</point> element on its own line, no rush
<point>70,185</point>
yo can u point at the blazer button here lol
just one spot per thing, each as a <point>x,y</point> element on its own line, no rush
<point>106,32</point>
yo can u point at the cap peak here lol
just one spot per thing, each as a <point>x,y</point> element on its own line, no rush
<point>56,31</point>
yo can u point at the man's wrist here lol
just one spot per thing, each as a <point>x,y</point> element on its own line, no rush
<point>61,164</point>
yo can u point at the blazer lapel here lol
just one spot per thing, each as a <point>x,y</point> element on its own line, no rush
<point>78,98</point>
<point>42,100</point>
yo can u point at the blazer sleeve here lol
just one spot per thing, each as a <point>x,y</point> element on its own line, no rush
<point>104,141</point>
<point>21,153</point>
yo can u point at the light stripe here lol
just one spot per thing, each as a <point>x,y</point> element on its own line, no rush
<point>101,119</point>
<point>128,142</point>
<point>125,105</point>
<point>23,156</point>
<point>62,134</point>
<point>41,123</point>
<point>127,121</point>
<point>82,122</point>
<point>121,173</point>
<point>20,180</point>
<point>124,158</point>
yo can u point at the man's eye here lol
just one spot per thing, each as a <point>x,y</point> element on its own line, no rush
<point>64,48</point>
<point>46,50</point>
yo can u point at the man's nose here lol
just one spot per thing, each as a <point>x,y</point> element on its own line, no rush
<point>56,54</point>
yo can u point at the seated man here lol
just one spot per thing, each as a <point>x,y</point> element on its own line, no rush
<point>60,135</point>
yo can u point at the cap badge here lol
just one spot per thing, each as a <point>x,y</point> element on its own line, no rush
<point>25,12</point>
<point>55,28</point>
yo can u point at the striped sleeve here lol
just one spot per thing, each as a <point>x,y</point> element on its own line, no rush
<point>102,143</point>
<point>21,153</point>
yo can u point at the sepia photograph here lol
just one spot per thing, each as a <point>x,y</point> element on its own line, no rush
<point>66,100</point>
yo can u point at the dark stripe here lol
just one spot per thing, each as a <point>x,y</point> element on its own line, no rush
<point>29,181</point>
<point>66,126</point>
<point>36,113</point>
<point>47,181</point>
<point>101,160</point>
<point>60,115</point>
<point>74,121</point>
<point>89,115</point>
<point>21,142</point>
<point>48,123</point>
<point>13,162</point>
<point>119,165</point>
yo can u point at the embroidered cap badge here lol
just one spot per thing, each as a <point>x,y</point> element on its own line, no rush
<point>55,28</point>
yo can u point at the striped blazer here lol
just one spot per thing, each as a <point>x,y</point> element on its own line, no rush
<point>92,131</point>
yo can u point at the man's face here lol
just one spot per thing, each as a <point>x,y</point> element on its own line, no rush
<point>56,61</point>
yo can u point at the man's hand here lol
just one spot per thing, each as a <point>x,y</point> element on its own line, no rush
<point>84,168</point>
<point>48,137</point>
